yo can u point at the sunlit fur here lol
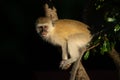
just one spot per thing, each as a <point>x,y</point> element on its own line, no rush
<point>71,35</point>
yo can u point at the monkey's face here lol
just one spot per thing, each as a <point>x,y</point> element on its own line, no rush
<point>42,30</point>
<point>44,27</point>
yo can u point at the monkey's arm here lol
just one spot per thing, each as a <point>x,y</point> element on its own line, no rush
<point>64,55</point>
<point>64,52</point>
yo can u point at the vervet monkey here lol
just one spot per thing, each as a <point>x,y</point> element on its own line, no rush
<point>71,35</point>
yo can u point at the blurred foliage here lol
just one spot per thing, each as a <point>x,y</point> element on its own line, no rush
<point>110,28</point>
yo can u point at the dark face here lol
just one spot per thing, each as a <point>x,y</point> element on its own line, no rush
<point>42,30</point>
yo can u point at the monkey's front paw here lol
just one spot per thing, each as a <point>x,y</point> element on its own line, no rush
<point>64,64</point>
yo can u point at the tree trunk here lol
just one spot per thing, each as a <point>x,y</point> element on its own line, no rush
<point>116,58</point>
<point>82,74</point>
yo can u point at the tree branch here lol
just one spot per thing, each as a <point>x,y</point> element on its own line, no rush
<point>78,71</point>
<point>93,46</point>
<point>82,74</point>
<point>116,58</point>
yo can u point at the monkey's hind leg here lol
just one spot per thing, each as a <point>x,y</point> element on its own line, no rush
<point>73,51</point>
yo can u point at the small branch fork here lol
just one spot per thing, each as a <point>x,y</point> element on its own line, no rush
<point>93,46</point>
<point>78,72</point>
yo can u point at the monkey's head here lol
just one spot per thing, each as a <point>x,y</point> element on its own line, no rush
<point>44,26</point>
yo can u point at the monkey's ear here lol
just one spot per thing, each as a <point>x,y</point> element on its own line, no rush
<point>51,18</point>
<point>54,9</point>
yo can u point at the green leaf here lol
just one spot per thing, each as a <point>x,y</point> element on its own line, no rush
<point>117,28</point>
<point>106,47</point>
<point>98,7</point>
<point>99,37</point>
<point>86,55</point>
<point>111,19</point>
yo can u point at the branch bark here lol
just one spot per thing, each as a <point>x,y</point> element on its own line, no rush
<point>82,74</point>
<point>116,58</point>
<point>78,72</point>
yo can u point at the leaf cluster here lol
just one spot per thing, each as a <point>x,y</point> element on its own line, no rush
<point>110,32</point>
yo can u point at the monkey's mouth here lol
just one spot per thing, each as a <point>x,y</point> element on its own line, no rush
<point>43,34</point>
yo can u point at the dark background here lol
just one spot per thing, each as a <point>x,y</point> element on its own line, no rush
<point>20,46</point>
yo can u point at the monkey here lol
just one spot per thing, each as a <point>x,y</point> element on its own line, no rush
<point>71,35</point>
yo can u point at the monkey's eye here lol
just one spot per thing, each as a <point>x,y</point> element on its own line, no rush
<point>45,26</point>
<point>40,27</point>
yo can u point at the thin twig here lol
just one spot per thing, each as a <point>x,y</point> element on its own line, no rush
<point>93,46</point>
